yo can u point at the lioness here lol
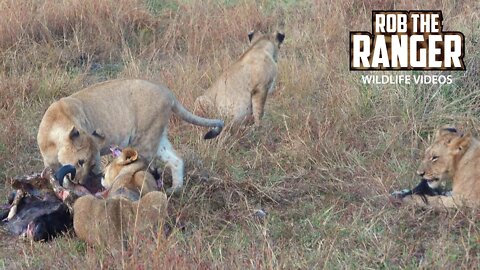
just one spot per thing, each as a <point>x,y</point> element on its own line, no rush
<point>78,129</point>
<point>127,176</point>
<point>454,156</point>
<point>242,89</point>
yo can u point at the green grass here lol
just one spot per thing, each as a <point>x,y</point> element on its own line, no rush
<point>159,6</point>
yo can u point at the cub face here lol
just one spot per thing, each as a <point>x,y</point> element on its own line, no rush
<point>127,156</point>
<point>80,149</point>
<point>127,176</point>
<point>441,158</point>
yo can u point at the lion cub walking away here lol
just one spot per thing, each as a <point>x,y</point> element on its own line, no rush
<point>241,91</point>
<point>77,129</point>
<point>453,156</point>
<point>133,205</point>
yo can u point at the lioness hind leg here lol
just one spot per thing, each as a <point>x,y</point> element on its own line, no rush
<point>167,154</point>
<point>204,106</point>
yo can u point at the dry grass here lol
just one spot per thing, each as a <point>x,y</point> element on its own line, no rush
<point>329,152</point>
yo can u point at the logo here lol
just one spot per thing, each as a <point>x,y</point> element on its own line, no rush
<point>407,40</point>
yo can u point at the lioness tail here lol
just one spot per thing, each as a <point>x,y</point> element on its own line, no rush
<point>189,117</point>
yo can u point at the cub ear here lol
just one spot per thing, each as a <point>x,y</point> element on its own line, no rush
<point>250,35</point>
<point>129,155</point>
<point>459,144</point>
<point>280,37</point>
<point>447,134</point>
<point>74,133</point>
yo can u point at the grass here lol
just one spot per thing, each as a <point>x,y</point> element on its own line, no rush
<point>329,152</point>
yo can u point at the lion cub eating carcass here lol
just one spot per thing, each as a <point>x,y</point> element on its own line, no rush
<point>127,175</point>
<point>132,206</point>
<point>117,220</point>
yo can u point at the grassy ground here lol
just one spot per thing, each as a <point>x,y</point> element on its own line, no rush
<point>329,152</point>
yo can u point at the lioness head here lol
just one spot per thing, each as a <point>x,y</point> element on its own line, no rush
<point>441,158</point>
<point>81,150</point>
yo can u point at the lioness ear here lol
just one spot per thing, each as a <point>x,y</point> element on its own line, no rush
<point>250,35</point>
<point>280,37</point>
<point>97,133</point>
<point>74,133</point>
<point>129,155</point>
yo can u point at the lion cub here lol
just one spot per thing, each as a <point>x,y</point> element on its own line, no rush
<point>453,156</point>
<point>241,91</point>
<point>131,196</point>
<point>116,221</point>
<point>127,176</point>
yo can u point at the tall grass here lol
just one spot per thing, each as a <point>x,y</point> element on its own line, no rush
<point>328,153</point>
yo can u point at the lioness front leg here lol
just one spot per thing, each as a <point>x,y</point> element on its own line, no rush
<point>167,154</point>
<point>258,103</point>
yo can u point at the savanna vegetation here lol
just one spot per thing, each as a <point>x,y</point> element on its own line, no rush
<point>329,152</point>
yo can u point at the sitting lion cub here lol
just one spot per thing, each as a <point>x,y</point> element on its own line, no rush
<point>242,89</point>
<point>453,156</point>
<point>127,176</point>
<point>131,193</point>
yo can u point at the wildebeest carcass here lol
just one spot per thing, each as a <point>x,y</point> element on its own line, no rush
<point>40,208</point>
